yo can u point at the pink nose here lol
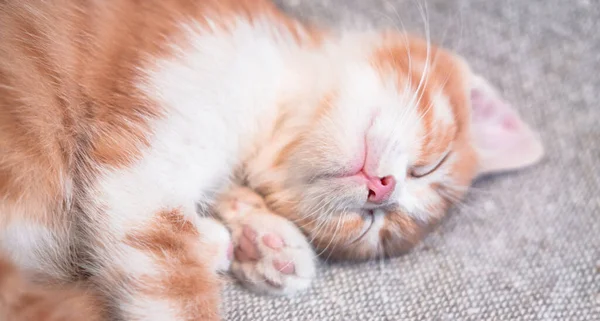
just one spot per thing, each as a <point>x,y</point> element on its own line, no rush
<point>380,189</point>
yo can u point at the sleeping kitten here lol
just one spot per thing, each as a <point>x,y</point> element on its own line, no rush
<point>118,119</point>
<point>322,205</point>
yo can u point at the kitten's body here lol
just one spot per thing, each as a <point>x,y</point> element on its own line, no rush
<point>114,131</point>
<point>117,118</point>
<point>22,300</point>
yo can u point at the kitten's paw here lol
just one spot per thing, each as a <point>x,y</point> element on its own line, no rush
<point>271,254</point>
<point>216,241</point>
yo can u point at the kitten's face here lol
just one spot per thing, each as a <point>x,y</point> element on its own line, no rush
<point>389,152</point>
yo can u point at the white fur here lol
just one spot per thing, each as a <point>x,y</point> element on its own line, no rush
<point>135,262</point>
<point>145,308</point>
<point>215,96</point>
<point>443,110</point>
<point>372,235</point>
<point>215,235</point>
<point>22,242</point>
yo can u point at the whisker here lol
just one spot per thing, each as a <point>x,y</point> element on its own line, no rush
<point>419,91</point>
<point>456,201</point>
<point>425,73</point>
<point>342,218</point>
<point>337,226</point>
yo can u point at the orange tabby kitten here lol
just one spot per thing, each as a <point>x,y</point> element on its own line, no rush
<point>118,119</point>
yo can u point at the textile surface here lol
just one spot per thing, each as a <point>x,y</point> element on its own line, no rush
<point>524,245</point>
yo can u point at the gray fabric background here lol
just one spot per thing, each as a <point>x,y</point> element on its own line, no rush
<point>525,246</point>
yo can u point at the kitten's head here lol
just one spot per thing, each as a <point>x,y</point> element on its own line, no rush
<point>397,141</point>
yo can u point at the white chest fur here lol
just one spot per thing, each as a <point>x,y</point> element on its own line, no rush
<point>218,94</point>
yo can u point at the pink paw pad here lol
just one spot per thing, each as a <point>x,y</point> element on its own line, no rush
<point>285,267</point>
<point>247,249</point>
<point>273,241</point>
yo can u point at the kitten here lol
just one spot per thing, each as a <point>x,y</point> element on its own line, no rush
<point>499,141</point>
<point>118,119</point>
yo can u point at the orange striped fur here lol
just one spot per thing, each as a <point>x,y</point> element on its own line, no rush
<point>118,119</point>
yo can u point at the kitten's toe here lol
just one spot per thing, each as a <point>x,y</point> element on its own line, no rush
<point>247,249</point>
<point>273,241</point>
<point>285,267</point>
<point>272,256</point>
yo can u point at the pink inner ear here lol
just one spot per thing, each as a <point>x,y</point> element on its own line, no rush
<point>499,125</point>
<point>502,139</point>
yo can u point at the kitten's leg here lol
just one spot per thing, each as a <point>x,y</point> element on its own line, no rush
<point>164,266</point>
<point>22,300</point>
<point>271,254</point>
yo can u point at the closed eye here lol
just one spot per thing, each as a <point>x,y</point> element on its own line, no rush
<point>422,171</point>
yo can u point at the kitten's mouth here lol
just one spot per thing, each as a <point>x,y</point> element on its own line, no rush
<point>370,216</point>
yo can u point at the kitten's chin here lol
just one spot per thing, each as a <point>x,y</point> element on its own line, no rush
<point>367,234</point>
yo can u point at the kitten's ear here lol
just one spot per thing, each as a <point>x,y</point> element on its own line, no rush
<point>503,141</point>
